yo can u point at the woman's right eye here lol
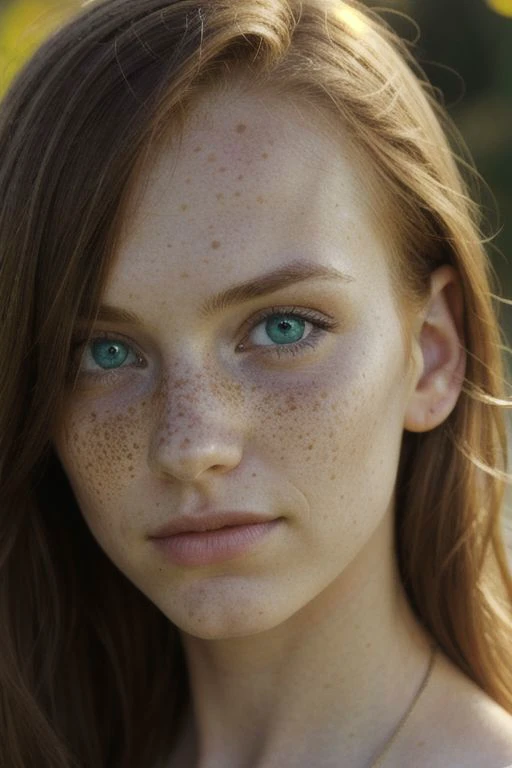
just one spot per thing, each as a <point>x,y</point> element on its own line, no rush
<point>105,353</point>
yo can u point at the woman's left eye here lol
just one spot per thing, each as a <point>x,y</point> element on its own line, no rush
<point>288,330</point>
<point>279,331</point>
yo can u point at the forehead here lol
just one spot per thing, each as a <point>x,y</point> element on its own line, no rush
<point>253,181</point>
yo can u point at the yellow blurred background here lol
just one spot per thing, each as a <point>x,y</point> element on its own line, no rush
<point>24,24</point>
<point>502,6</point>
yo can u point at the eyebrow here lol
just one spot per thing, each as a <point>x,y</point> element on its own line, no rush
<point>270,282</point>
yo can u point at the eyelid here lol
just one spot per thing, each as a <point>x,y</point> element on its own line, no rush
<point>305,312</point>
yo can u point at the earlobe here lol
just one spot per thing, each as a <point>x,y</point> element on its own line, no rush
<point>441,344</point>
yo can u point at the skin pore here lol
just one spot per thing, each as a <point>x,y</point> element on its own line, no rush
<point>309,632</point>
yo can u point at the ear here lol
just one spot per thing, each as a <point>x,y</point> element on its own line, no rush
<point>439,341</point>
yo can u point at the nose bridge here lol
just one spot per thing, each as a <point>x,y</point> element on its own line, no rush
<point>198,391</point>
<point>196,425</point>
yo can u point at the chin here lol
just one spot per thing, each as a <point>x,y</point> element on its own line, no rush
<point>213,614</point>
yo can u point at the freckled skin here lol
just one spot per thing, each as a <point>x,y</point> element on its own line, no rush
<point>314,437</point>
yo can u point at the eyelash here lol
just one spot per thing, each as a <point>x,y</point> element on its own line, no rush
<point>321,324</point>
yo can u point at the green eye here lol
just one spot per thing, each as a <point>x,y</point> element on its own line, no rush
<point>105,352</point>
<point>109,354</point>
<point>285,329</point>
<point>280,330</point>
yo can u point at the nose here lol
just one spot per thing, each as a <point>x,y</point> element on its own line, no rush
<point>193,436</point>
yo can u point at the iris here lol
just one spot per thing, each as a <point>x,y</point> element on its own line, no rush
<point>282,331</point>
<point>109,354</point>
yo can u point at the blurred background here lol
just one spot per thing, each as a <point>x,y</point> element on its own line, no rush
<point>465,49</point>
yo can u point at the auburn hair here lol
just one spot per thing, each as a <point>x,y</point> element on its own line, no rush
<point>92,674</point>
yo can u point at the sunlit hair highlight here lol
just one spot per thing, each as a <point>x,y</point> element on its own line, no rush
<point>91,673</point>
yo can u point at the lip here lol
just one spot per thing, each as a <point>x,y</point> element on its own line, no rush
<point>200,523</point>
<point>214,538</point>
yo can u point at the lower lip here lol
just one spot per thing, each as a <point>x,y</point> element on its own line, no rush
<point>208,547</point>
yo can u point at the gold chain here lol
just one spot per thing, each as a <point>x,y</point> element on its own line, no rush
<point>383,753</point>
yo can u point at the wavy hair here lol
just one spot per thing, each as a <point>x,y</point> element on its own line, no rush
<point>92,674</point>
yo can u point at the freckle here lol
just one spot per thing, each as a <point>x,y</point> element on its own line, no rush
<point>187,181</point>
<point>215,244</point>
<point>135,445</point>
<point>237,194</point>
<point>264,155</point>
<point>241,127</point>
<point>310,447</point>
<point>211,226</point>
<point>333,477</point>
<point>240,177</point>
<point>212,157</point>
<point>197,149</point>
<point>184,274</point>
<point>254,474</point>
<point>184,207</point>
<point>221,170</point>
<point>130,469</point>
<point>271,143</point>
<point>169,245</point>
<point>219,196</point>
<point>260,199</point>
<point>206,261</point>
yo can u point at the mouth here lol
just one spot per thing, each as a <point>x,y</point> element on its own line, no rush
<point>199,523</point>
<point>216,545</point>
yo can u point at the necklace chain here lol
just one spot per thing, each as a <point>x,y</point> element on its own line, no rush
<point>378,761</point>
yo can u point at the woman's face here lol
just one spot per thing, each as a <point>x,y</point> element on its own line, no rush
<point>171,416</point>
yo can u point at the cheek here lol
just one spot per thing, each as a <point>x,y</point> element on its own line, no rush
<point>339,421</point>
<point>99,454</point>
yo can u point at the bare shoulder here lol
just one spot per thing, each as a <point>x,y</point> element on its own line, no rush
<point>458,725</point>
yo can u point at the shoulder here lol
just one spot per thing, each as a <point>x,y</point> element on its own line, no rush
<point>457,726</point>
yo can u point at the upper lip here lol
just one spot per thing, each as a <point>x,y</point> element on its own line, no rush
<point>211,522</point>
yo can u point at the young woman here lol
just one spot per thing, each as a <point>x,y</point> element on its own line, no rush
<point>252,448</point>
